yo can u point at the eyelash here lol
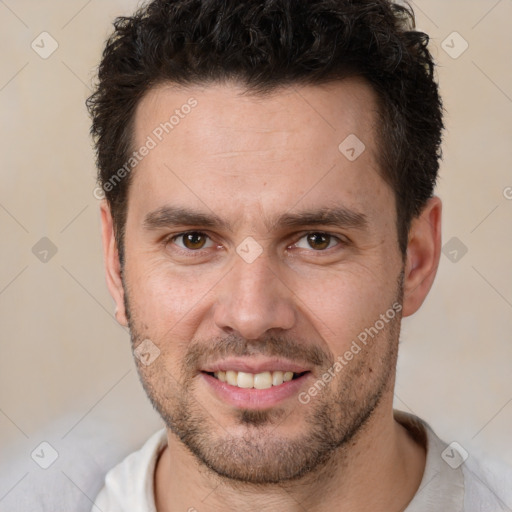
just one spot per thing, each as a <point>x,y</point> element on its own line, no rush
<point>199,252</point>
<point>187,252</point>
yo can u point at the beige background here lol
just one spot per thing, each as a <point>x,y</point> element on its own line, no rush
<point>66,372</point>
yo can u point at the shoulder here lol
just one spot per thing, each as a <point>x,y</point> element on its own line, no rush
<point>456,477</point>
<point>487,485</point>
<point>129,485</point>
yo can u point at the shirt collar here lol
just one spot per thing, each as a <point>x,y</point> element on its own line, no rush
<point>442,487</point>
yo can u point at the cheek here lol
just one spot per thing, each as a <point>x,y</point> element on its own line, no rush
<point>344,303</point>
<point>165,300</point>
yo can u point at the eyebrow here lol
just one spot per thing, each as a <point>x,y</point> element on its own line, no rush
<point>335,217</point>
<point>171,216</point>
<point>168,216</point>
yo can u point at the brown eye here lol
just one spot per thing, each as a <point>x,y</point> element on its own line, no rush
<point>193,240</point>
<point>319,241</point>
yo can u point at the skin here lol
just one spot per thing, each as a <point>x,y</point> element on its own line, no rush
<point>248,160</point>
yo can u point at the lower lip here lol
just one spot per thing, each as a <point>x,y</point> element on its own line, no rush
<point>255,398</point>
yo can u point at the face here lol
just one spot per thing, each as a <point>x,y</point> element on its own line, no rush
<point>255,246</point>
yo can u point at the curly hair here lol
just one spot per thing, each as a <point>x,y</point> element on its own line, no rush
<point>264,45</point>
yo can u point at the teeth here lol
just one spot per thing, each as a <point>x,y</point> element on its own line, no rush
<point>263,380</point>
<point>277,378</point>
<point>231,378</point>
<point>245,380</point>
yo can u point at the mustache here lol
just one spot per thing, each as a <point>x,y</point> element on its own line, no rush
<point>200,353</point>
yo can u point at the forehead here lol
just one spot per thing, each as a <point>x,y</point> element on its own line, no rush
<point>232,118</point>
<point>215,146</point>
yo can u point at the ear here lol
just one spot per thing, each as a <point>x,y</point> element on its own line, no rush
<point>111,262</point>
<point>423,253</point>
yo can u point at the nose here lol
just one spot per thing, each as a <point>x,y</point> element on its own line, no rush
<point>253,299</point>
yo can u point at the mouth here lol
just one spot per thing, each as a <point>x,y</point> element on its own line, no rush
<point>255,383</point>
<point>261,380</point>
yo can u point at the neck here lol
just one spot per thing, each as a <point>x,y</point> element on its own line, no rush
<point>379,469</point>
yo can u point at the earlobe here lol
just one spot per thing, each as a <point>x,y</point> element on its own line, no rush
<point>423,253</point>
<point>112,264</point>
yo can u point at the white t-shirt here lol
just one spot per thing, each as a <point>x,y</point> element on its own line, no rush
<point>449,483</point>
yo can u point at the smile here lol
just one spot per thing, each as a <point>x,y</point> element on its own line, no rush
<point>262,380</point>
<point>261,390</point>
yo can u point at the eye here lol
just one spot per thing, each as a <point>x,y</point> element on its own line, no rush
<point>193,241</point>
<point>318,241</point>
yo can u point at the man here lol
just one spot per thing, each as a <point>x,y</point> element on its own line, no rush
<point>269,217</point>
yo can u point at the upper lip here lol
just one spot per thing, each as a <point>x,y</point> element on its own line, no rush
<point>255,365</point>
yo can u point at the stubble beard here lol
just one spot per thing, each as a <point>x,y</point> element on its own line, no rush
<point>263,453</point>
